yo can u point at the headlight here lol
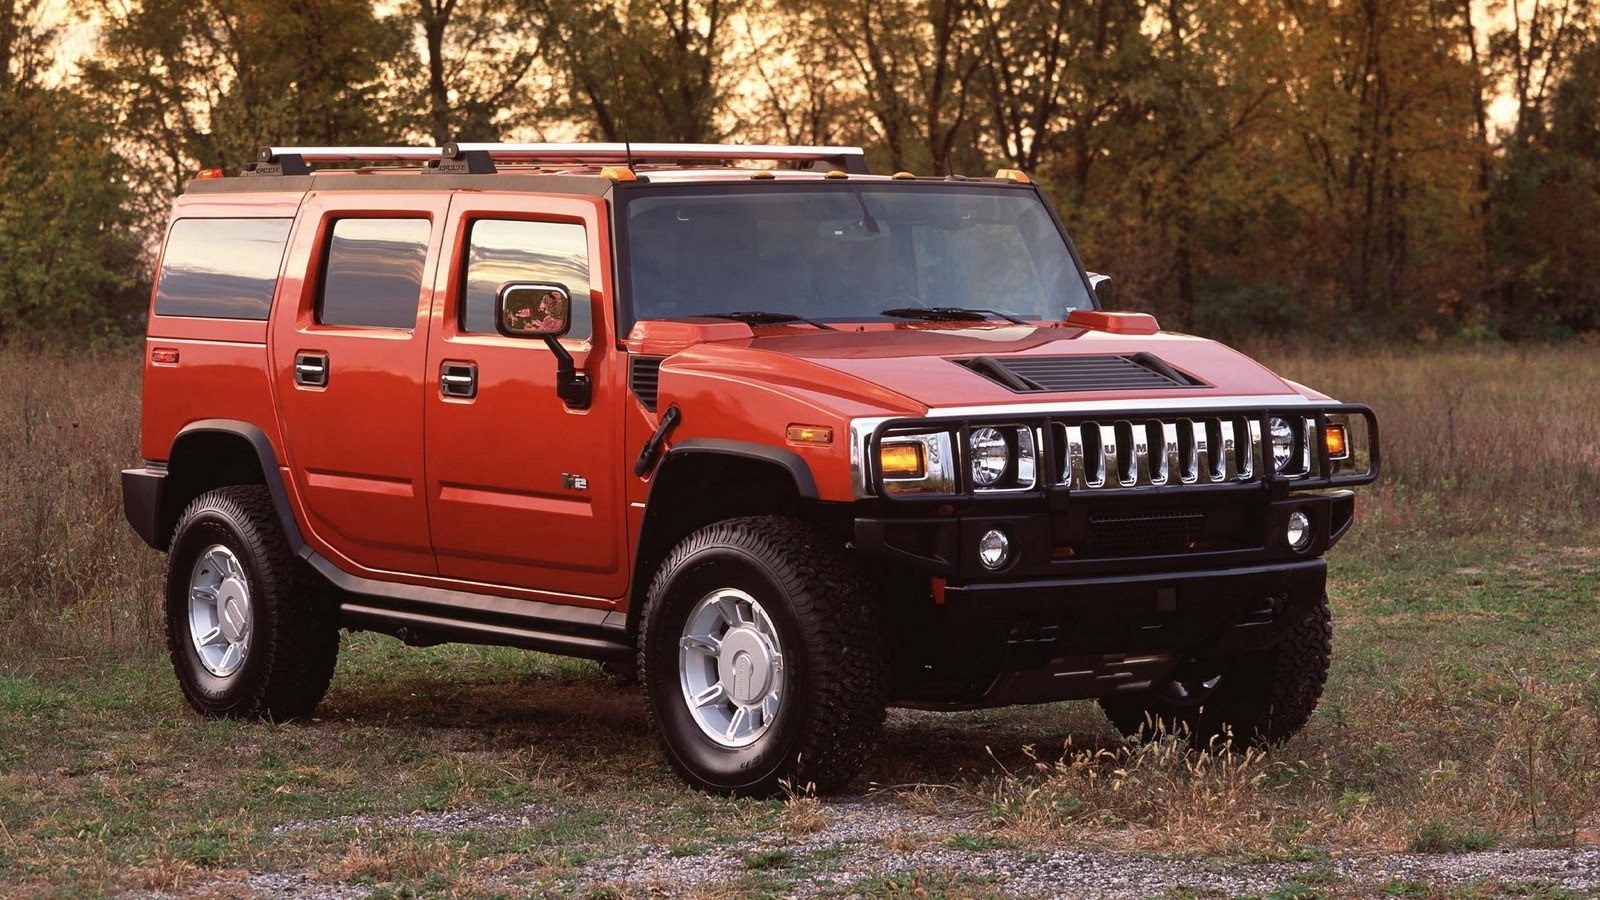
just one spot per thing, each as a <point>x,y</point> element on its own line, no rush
<point>1282,436</point>
<point>990,456</point>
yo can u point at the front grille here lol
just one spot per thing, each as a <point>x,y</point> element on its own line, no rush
<point>1146,534</point>
<point>1126,453</point>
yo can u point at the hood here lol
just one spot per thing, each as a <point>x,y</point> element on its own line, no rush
<point>934,365</point>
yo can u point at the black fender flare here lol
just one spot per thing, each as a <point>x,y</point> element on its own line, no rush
<point>266,457</point>
<point>646,556</point>
<point>805,484</point>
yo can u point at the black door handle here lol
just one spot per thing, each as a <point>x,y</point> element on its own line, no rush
<point>311,369</point>
<point>458,380</point>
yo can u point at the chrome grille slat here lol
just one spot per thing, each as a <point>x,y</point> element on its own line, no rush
<point>1170,451</point>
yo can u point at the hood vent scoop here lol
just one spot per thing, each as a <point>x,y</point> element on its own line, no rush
<point>1051,374</point>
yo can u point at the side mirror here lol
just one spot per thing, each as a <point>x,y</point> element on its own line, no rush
<point>532,310</point>
<point>538,310</point>
<point>1104,293</point>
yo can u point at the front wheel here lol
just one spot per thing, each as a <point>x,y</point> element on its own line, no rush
<point>248,631</point>
<point>1253,699</point>
<point>761,659</point>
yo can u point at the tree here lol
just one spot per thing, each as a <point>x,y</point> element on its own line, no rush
<point>479,56</point>
<point>643,69</point>
<point>68,268</point>
<point>203,83</point>
<point>911,63</point>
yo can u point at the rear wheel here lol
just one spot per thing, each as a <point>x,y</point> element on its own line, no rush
<point>249,631</point>
<point>1252,699</point>
<point>761,659</point>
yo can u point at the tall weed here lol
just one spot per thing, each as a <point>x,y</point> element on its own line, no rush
<point>76,584</point>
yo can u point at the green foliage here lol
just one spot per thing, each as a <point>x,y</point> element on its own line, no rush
<point>1435,836</point>
<point>69,258</point>
<point>203,84</point>
<point>643,71</point>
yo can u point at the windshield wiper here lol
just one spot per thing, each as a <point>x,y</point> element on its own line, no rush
<point>949,314</point>
<point>758,317</point>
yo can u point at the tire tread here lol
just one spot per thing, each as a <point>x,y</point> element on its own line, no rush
<point>834,606</point>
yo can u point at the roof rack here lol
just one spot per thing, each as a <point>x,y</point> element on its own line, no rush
<point>480,158</point>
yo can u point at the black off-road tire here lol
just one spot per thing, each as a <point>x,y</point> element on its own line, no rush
<point>1260,699</point>
<point>835,664</point>
<point>294,629</point>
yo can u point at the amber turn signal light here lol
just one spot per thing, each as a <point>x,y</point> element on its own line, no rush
<point>1337,440</point>
<point>810,434</point>
<point>901,460</point>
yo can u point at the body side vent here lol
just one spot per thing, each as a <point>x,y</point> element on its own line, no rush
<point>644,377</point>
<point>1049,374</point>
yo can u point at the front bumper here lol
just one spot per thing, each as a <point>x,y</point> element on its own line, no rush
<point>1039,641</point>
<point>1091,536</point>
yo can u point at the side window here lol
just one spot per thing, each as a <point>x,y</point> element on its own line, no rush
<point>221,268</point>
<point>504,250</point>
<point>373,272</point>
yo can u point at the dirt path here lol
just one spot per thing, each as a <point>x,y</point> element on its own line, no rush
<point>872,847</point>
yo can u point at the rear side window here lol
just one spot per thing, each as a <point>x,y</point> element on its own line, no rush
<point>373,273</point>
<point>221,268</point>
<point>500,251</point>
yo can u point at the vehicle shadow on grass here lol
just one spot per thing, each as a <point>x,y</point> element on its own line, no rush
<point>576,713</point>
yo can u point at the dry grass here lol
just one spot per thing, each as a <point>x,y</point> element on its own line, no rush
<point>1526,771</point>
<point>803,814</point>
<point>75,582</point>
<point>1474,439</point>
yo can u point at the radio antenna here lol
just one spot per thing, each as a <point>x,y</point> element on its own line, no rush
<point>622,113</point>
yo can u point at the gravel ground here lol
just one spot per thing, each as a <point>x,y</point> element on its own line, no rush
<point>864,841</point>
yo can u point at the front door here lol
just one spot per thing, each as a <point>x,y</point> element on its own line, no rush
<point>523,490</point>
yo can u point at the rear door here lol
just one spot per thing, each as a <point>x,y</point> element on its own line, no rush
<point>350,366</point>
<point>522,489</point>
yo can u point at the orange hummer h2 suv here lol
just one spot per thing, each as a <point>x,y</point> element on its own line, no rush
<point>796,442</point>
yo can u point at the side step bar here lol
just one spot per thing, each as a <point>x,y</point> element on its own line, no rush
<point>424,629</point>
<point>422,615</point>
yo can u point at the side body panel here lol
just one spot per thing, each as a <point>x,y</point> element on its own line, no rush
<point>221,367</point>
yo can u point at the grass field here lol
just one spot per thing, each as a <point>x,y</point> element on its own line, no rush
<point>1463,710</point>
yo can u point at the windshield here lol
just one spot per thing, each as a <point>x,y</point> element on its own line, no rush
<point>843,252</point>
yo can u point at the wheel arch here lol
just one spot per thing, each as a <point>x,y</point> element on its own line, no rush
<point>689,491</point>
<point>211,453</point>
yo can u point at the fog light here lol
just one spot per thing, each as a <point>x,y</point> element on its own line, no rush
<point>1299,533</point>
<point>994,548</point>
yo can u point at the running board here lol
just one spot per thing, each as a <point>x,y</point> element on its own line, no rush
<point>424,615</point>
<point>423,629</point>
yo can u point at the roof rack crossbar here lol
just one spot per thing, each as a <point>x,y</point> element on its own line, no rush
<point>349,154</point>
<point>850,159</point>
